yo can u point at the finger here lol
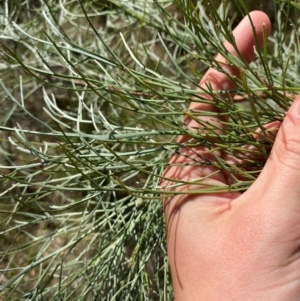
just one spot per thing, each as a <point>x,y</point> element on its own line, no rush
<point>269,131</point>
<point>280,178</point>
<point>265,137</point>
<point>253,156</point>
<point>245,41</point>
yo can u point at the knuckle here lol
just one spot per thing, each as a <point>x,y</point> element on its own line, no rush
<point>287,149</point>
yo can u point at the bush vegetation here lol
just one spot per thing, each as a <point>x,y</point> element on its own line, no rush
<point>93,95</point>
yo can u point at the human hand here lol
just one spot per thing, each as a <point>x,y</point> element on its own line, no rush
<point>237,246</point>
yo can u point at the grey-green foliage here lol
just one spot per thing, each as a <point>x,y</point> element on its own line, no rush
<point>93,96</point>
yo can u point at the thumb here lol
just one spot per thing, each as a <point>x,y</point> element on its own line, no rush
<point>279,181</point>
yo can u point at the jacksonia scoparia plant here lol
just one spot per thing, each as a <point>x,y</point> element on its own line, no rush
<point>93,96</point>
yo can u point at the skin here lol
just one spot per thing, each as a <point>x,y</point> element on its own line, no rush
<point>237,246</point>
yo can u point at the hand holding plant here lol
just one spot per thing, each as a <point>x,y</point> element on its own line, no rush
<point>93,99</point>
<point>232,245</point>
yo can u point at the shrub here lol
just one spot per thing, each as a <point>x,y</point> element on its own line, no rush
<point>93,97</point>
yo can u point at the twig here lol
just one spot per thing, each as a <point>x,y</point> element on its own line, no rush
<point>236,98</point>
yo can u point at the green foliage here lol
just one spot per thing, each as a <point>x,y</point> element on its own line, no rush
<point>93,96</point>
